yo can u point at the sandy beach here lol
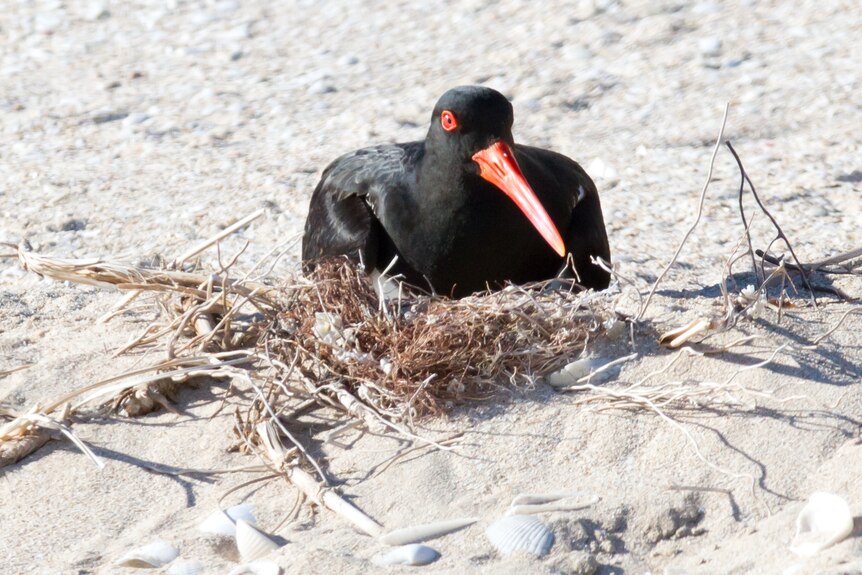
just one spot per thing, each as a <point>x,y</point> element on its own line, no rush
<point>130,129</point>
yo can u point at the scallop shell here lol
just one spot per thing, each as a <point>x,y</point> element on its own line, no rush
<point>186,567</point>
<point>516,533</point>
<point>413,554</point>
<point>256,568</point>
<point>579,369</point>
<point>251,542</point>
<point>224,522</point>
<point>824,521</point>
<point>150,556</point>
<point>418,533</point>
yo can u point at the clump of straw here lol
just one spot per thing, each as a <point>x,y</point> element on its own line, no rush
<point>416,355</point>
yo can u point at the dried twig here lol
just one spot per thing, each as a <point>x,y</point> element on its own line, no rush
<point>777,227</point>
<point>694,224</point>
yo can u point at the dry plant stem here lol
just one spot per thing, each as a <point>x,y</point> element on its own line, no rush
<point>804,268</point>
<point>23,422</point>
<point>838,259</point>
<point>154,332</point>
<point>655,399</point>
<point>216,238</point>
<point>623,279</point>
<point>98,272</point>
<point>697,219</point>
<point>778,229</point>
<point>311,488</point>
<point>120,306</point>
<point>284,246</point>
<point>232,311</point>
<point>284,430</point>
<point>834,328</point>
<point>245,484</point>
<point>14,449</point>
<point>5,372</point>
<point>757,275</point>
<point>732,259</point>
<point>117,383</point>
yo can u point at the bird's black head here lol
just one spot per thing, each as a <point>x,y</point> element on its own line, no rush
<point>471,127</point>
<point>468,119</point>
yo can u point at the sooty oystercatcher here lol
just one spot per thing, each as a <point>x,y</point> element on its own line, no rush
<point>464,210</point>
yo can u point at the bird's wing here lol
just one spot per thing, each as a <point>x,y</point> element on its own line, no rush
<point>585,234</point>
<point>346,206</point>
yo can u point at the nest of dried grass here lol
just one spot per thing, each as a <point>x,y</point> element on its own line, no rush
<point>419,355</point>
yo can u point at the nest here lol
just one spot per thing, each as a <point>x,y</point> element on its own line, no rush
<point>419,355</point>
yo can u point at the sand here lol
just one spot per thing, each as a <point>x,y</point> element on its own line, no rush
<point>140,128</point>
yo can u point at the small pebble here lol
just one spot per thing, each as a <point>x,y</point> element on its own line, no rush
<point>709,46</point>
<point>135,118</point>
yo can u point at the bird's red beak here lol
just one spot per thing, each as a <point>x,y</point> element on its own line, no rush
<point>497,164</point>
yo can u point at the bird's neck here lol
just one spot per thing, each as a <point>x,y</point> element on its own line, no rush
<point>442,181</point>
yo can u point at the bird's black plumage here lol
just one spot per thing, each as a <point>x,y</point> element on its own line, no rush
<point>454,231</point>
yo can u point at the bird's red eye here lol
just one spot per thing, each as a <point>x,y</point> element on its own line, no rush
<point>448,121</point>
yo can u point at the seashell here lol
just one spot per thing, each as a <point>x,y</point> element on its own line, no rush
<point>520,533</point>
<point>528,504</point>
<point>572,373</point>
<point>251,542</point>
<point>824,521</point>
<point>150,556</point>
<point>224,522</point>
<point>675,338</point>
<point>327,326</point>
<point>413,554</point>
<point>264,567</point>
<point>418,533</point>
<point>549,497</point>
<point>186,567</point>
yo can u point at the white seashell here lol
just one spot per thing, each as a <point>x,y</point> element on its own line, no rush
<point>675,338</point>
<point>528,504</point>
<point>224,522</point>
<point>186,567</point>
<point>251,542</point>
<point>572,373</point>
<point>257,568</point>
<point>419,533</point>
<point>413,554</point>
<point>549,497</point>
<point>325,324</point>
<point>520,533</point>
<point>824,521</point>
<point>150,556</point>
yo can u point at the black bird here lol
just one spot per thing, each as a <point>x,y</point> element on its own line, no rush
<point>452,208</point>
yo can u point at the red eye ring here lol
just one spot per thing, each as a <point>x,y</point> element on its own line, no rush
<point>448,121</point>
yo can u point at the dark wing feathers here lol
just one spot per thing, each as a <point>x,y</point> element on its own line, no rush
<point>585,235</point>
<point>341,216</point>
